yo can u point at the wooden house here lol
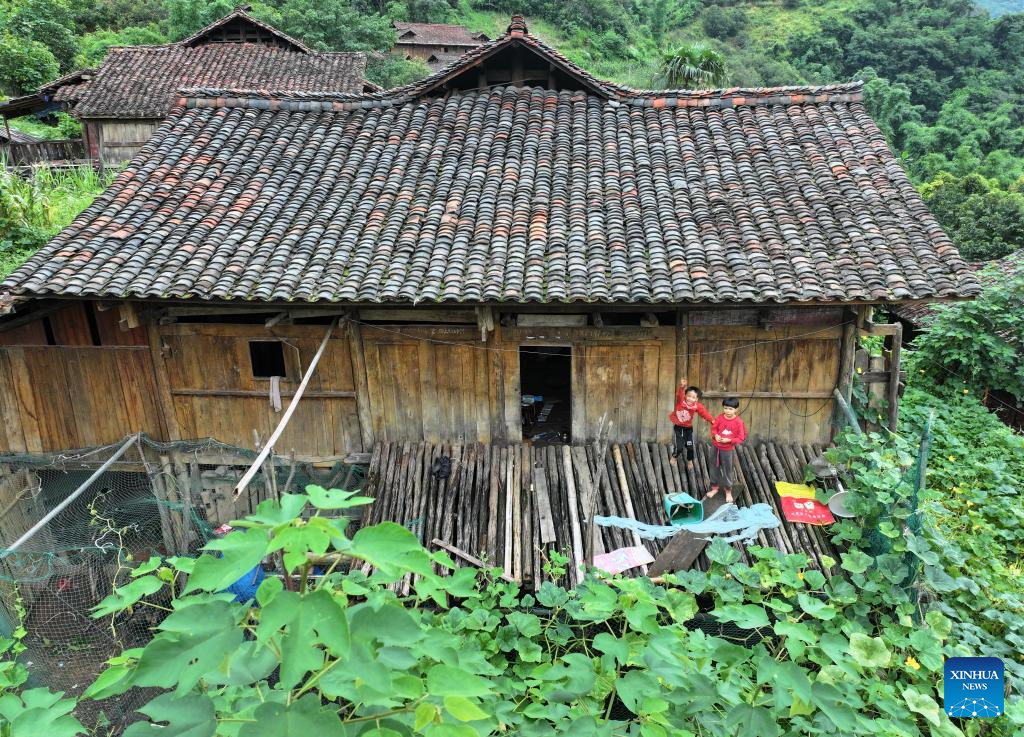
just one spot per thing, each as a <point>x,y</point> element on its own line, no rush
<point>438,44</point>
<point>509,226</point>
<point>123,101</point>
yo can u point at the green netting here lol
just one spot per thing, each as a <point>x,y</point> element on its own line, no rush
<point>157,499</point>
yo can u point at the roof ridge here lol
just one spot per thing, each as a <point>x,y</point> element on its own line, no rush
<point>725,97</point>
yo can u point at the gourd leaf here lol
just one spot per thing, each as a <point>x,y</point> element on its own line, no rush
<point>188,716</point>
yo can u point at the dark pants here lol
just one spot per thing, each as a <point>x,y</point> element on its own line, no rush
<point>721,469</point>
<point>683,440</point>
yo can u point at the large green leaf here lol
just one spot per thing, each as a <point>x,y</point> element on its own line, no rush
<point>463,709</point>
<point>922,704</point>
<point>192,642</point>
<point>37,712</point>
<point>322,498</point>
<point>831,701</point>
<point>306,622</point>
<point>745,720</point>
<point>127,595</point>
<point>241,551</point>
<point>446,680</point>
<point>188,716</point>
<point>869,652</point>
<point>303,718</point>
<point>747,616</point>
<point>391,549</point>
<point>816,607</point>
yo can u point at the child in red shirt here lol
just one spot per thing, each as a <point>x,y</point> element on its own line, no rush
<point>727,431</point>
<point>687,407</point>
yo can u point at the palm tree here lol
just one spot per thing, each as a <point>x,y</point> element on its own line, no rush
<point>693,66</point>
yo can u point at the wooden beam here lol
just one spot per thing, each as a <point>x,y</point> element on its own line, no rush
<point>420,315</point>
<point>684,547</point>
<point>879,377</point>
<point>168,415</point>
<point>258,394</point>
<point>28,317</point>
<point>355,348</point>
<point>895,377</point>
<point>472,560</point>
<point>768,395</point>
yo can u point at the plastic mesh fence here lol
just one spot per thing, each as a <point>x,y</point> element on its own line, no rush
<point>158,499</point>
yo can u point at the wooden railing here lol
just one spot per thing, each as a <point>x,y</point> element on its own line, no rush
<point>24,154</point>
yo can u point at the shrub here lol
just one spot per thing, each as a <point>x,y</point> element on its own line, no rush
<point>723,23</point>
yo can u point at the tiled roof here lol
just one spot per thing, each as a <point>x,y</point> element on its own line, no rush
<point>140,81</point>
<point>918,314</point>
<point>439,60</point>
<point>510,194</point>
<point>436,34</point>
<point>16,136</point>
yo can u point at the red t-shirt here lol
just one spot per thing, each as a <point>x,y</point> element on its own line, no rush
<point>684,413</point>
<point>734,431</point>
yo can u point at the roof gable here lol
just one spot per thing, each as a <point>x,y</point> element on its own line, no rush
<point>239,26</point>
<point>516,58</point>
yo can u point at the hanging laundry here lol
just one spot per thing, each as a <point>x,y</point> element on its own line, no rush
<point>745,522</point>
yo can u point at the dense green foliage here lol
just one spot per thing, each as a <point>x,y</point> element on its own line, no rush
<point>34,210</point>
<point>860,653</point>
<point>981,341</point>
<point>985,219</point>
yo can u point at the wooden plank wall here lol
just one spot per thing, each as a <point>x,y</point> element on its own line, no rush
<point>404,382</point>
<point>208,374</point>
<point>784,385</point>
<point>60,397</point>
<point>429,383</point>
<point>119,140</point>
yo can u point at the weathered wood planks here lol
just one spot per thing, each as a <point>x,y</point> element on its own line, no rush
<point>512,506</point>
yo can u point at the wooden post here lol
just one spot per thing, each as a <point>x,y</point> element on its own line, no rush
<point>574,517</point>
<point>844,407</point>
<point>894,377</point>
<point>355,347</point>
<point>168,417</point>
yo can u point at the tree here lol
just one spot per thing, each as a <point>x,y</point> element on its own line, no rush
<point>336,25</point>
<point>985,220</point>
<point>24,64</point>
<point>48,22</point>
<point>693,66</point>
<point>723,23</point>
<point>95,45</point>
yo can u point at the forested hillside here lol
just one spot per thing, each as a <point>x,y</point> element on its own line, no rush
<point>945,79</point>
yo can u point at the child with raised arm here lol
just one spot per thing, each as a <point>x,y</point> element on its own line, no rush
<point>727,431</point>
<point>687,407</point>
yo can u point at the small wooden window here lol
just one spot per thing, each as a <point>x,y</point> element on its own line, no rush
<point>267,358</point>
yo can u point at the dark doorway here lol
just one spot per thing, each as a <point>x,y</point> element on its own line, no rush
<point>545,378</point>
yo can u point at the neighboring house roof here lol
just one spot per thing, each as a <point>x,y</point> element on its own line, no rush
<point>240,14</point>
<point>514,194</point>
<point>919,314</point>
<point>437,34</point>
<point>17,136</point>
<point>140,81</point>
<point>63,89</point>
<point>439,60</point>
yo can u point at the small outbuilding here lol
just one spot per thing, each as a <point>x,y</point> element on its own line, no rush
<point>438,44</point>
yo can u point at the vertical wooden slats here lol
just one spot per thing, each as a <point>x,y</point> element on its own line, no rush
<point>513,505</point>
